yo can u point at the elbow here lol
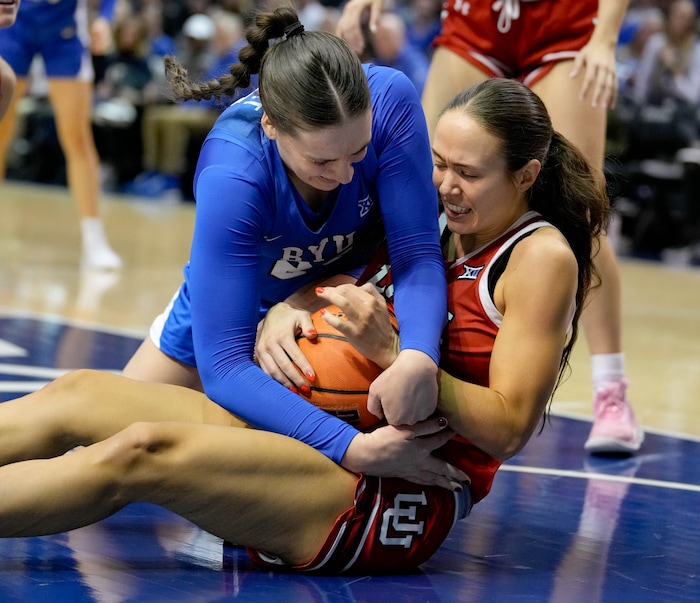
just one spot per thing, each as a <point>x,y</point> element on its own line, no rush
<point>514,433</point>
<point>509,447</point>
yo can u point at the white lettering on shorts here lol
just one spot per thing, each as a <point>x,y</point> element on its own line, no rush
<point>401,520</point>
<point>462,7</point>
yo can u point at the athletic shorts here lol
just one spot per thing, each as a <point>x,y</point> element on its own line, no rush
<point>171,331</point>
<point>56,31</point>
<point>520,39</point>
<point>393,526</point>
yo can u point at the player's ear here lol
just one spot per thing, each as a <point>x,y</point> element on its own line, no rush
<point>268,128</point>
<point>526,175</point>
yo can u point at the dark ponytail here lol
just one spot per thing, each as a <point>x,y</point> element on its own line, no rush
<point>568,192</point>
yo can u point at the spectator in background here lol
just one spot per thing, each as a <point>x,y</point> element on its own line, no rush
<point>229,38</point>
<point>423,19</point>
<point>639,27</point>
<point>390,46</point>
<point>243,8</point>
<point>163,144</point>
<point>670,63</point>
<point>662,117</point>
<point>121,96</point>
<point>312,14</point>
<point>161,43</point>
<point>169,129</point>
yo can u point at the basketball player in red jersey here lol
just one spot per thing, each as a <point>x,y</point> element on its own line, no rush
<point>565,52</point>
<point>518,255</point>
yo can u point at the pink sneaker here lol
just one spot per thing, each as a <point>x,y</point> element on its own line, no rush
<point>615,429</point>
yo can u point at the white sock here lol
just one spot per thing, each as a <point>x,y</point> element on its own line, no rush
<point>93,231</point>
<point>96,250</point>
<point>606,368</point>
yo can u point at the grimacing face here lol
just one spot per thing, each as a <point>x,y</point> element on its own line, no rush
<point>323,158</point>
<point>480,196</point>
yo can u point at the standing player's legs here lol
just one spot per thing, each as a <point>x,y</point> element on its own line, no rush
<point>448,75</point>
<point>7,86</point>
<point>614,428</point>
<point>71,99</point>
<point>8,124</point>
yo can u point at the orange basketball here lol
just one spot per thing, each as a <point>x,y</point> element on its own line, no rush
<point>343,375</point>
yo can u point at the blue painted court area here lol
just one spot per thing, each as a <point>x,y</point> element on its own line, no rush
<point>558,526</point>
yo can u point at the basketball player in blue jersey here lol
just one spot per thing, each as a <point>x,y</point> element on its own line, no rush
<point>522,209</point>
<point>8,80</point>
<point>296,182</point>
<point>58,32</point>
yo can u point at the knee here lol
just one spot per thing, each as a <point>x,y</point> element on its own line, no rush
<point>81,384</point>
<point>123,465</point>
<point>134,448</point>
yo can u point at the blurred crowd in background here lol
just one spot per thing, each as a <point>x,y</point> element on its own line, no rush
<point>148,145</point>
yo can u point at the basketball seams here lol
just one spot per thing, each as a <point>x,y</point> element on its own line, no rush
<point>325,336</point>
<point>340,392</point>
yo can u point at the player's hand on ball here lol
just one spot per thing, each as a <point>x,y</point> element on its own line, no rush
<point>366,321</point>
<point>407,391</point>
<point>276,349</point>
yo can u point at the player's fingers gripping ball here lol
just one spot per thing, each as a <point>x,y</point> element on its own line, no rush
<point>343,375</point>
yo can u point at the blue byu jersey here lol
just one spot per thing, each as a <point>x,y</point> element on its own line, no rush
<point>256,242</point>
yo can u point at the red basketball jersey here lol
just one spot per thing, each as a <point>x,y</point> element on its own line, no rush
<point>473,323</point>
<point>395,524</point>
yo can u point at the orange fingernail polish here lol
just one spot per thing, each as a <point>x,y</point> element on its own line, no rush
<point>319,289</point>
<point>306,390</point>
<point>294,390</point>
<point>310,376</point>
<point>313,332</point>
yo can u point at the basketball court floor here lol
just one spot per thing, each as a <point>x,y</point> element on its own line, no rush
<point>558,526</point>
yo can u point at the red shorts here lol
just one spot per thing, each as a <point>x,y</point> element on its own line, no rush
<point>520,39</point>
<point>394,525</point>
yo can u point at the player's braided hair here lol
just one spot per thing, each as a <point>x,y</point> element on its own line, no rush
<point>307,79</point>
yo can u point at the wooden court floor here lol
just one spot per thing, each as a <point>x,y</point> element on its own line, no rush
<point>558,525</point>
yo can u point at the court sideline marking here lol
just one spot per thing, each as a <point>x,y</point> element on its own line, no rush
<point>654,483</point>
